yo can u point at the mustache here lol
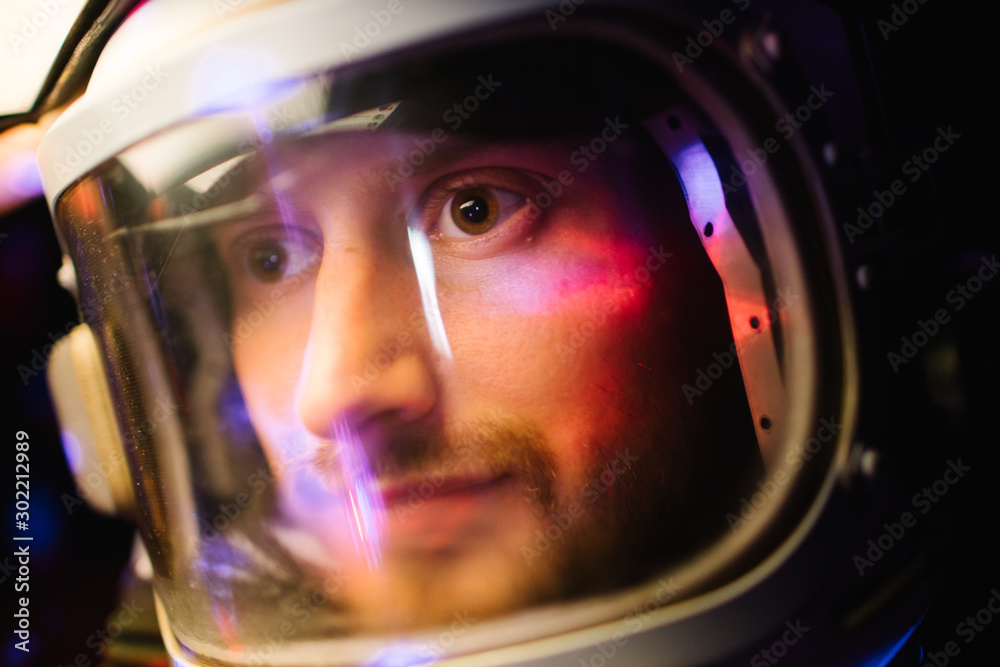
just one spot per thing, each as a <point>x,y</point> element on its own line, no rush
<point>495,445</point>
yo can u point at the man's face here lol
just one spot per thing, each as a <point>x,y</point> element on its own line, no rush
<point>541,447</point>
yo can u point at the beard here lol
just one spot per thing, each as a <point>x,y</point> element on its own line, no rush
<point>541,534</point>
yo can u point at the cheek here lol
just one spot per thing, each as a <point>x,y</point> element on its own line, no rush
<point>267,360</point>
<point>541,310</point>
<point>567,267</point>
<point>559,346</point>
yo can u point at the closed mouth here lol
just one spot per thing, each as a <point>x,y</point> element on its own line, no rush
<point>428,488</point>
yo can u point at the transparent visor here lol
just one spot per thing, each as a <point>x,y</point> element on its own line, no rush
<point>420,347</point>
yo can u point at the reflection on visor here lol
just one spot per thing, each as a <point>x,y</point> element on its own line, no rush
<point>428,370</point>
<point>423,262</point>
<point>367,507</point>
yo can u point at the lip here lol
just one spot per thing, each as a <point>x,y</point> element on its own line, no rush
<point>431,519</point>
<point>426,489</point>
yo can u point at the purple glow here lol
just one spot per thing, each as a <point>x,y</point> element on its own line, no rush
<point>367,507</point>
<point>23,177</point>
<point>229,79</point>
<point>71,447</point>
<point>401,655</point>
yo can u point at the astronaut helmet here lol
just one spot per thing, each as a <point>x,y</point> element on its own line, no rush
<point>475,333</point>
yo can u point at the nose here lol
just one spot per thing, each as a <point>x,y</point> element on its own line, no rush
<point>366,359</point>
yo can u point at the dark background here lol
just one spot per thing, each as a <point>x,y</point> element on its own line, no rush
<point>937,70</point>
<point>934,72</point>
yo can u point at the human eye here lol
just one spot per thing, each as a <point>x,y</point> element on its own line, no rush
<point>275,253</point>
<point>476,203</point>
<point>477,210</point>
